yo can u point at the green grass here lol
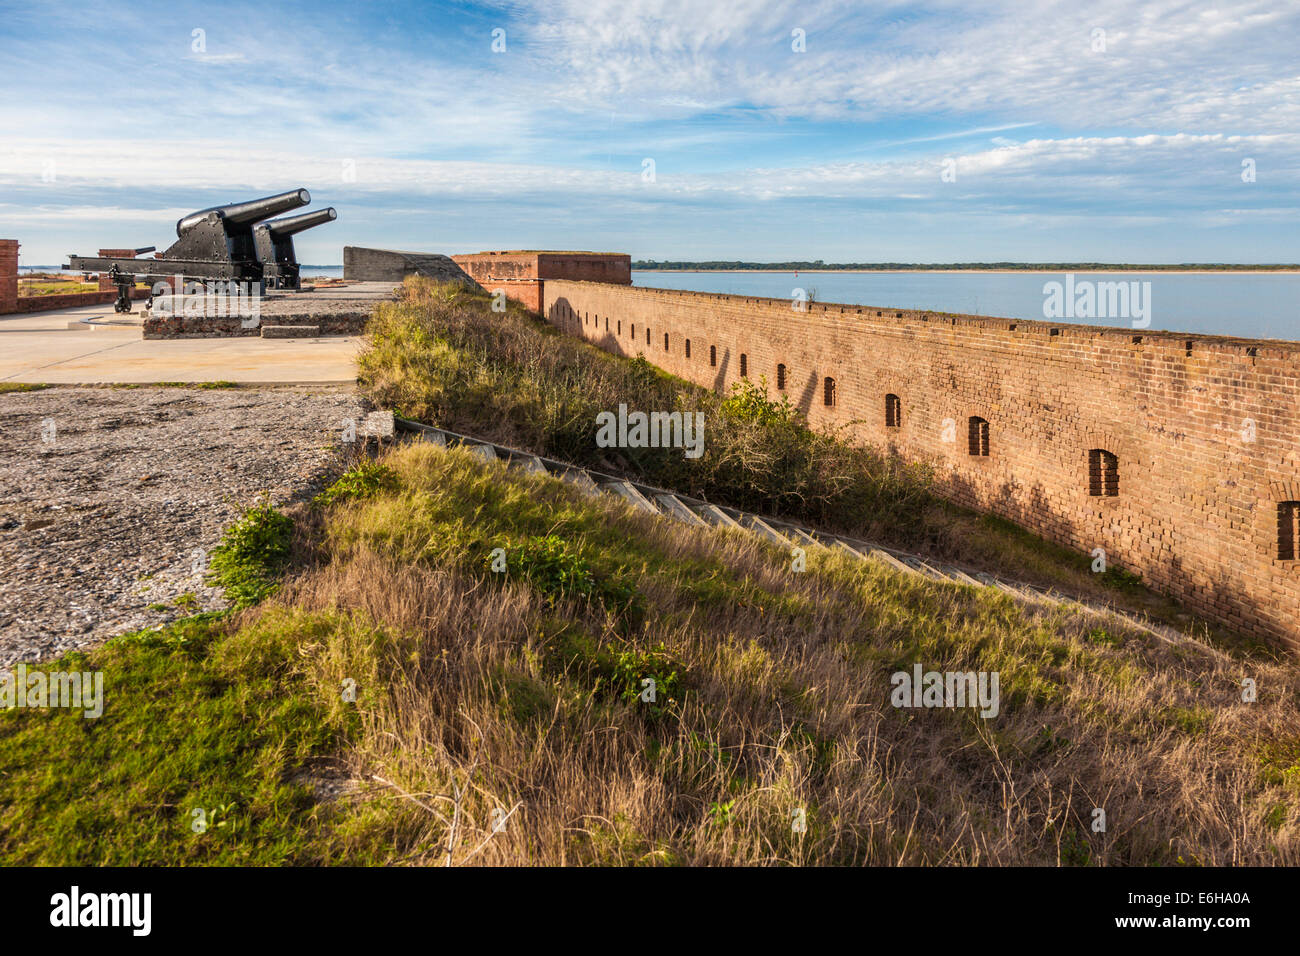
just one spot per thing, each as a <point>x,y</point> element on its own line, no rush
<point>252,554</point>
<point>19,387</point>
<point>528,684</point>
<point>194,718</point>
<point>363,481</point>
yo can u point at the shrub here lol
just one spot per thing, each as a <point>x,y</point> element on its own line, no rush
<point>252,555</point>
<point>364,481</point>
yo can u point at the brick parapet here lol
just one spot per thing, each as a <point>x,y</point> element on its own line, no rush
<point>1206,428</point>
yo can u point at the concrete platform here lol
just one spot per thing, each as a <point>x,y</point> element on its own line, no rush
<point>103,347</point>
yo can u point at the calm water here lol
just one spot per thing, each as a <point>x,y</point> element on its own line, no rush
<point>1255,306</point>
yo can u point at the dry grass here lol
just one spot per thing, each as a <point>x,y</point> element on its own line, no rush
<point>500,693</point>
<point>441,356</point>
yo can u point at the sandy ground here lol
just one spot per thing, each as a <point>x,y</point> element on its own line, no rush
<point>111,498</point>
<point>41,348</point>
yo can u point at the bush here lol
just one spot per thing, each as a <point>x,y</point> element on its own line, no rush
<point>364,481</point>
<point>252,555</point>
<point>552,566</point>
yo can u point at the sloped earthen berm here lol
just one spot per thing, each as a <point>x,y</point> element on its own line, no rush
<point>1175,456</point>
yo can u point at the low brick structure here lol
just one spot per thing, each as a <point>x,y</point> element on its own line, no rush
<point>1178,455</point>
<point>8,275</point>
<point>522,274</point>
<point>11,302</point>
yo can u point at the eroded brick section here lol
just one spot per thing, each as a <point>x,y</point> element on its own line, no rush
<point>1205,429</point>
<point>8,275</point>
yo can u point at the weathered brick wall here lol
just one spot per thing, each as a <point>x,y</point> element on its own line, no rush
<point>1206,429</point>
<point>522,275</point>
<point>586,266</point>
<point>72,300</point>
<point>8,275</point>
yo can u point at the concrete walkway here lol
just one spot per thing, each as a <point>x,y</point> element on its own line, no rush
<point>40,347</point>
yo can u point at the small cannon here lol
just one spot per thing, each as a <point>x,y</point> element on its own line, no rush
<point>275,246</point>
<point>215,244</point>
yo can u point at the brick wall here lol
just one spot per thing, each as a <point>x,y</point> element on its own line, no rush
<point>8,275</point>
<point>72,300</point>
<point>522,275</point>
<point>1206,429</point>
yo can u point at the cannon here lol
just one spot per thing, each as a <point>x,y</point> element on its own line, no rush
<point>275,246</point>
<point>215,244</point>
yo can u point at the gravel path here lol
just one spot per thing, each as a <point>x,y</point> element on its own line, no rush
<point>108,494</point>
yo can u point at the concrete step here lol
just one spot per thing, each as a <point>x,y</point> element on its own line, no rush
<point>628,492</point>
<point>378,424</point>
<point>529,463</point>
<point>578,478</point>
<point>960,576</point>
<point>764,530</point>
<point>841,545</point>
<point>799,536</point>
<point>717,517</point>
<point>890,560</point>
<point>675,508</point>
<point>290,331</point>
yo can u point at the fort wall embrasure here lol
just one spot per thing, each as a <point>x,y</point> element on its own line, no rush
<point>1179,455</point>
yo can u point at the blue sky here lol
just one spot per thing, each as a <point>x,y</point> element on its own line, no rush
<point>1061,142</point>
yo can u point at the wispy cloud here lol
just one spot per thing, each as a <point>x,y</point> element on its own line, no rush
<point>807,118</point>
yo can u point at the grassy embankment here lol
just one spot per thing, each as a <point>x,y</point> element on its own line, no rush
<point>444,358</point>
<point>519,693</point>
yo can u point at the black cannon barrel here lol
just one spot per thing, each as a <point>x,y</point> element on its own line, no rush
<point>292,225</point>
<point>244,213</point>
<point>143,249</point>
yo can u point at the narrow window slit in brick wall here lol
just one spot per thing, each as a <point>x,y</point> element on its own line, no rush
<point>1288,530</point>
<point>713,355</point>
<point>665,341</point>
<point>606,323</point>
<point>633,332</point>
<point>780,377</point>
<point>1103,473</point>
<point>620,326</point>
<point>647,335</point>
<point>688,348</point>
<point>828,391</point>
<point>744,365</point>
<point>978,436</point>
<point>893,411</point>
